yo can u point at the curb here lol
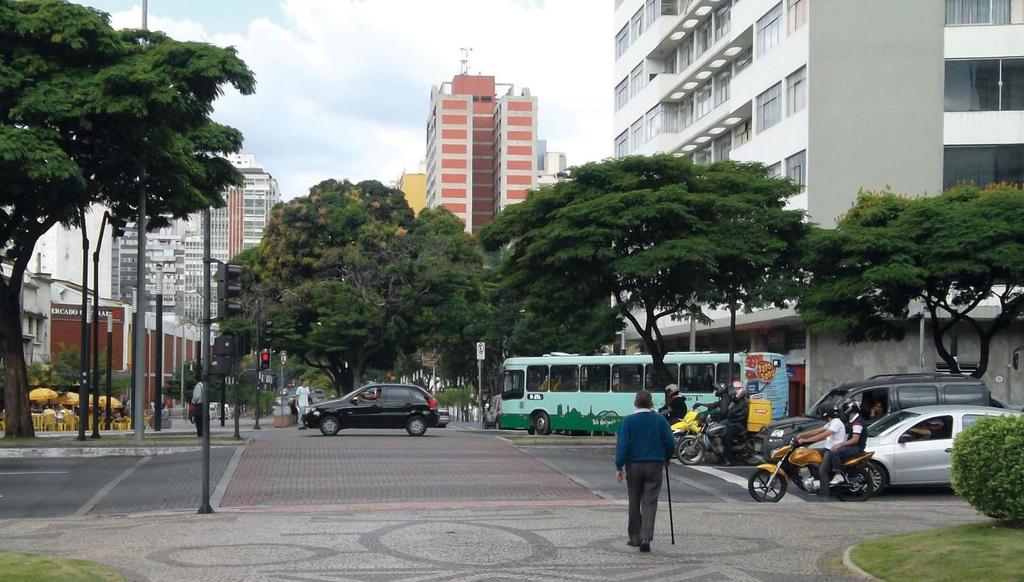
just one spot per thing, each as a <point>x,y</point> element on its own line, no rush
<point>856,571</point>
<point>91,452</point>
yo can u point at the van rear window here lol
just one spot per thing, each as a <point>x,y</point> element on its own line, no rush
<point>965,394</point>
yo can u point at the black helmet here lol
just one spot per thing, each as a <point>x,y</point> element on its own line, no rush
<point>849,407</point>
<point>721,389</point>
<point>833,412</point>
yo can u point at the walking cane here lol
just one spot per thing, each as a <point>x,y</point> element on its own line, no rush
<point>668,487</point>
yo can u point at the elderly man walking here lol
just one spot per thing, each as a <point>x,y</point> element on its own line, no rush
<point>644,446</point>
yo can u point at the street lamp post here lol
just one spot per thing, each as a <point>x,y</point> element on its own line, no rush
<point>259,372</point>
<point>115,225</point>
<point>110,360</point>
<point>83,387</point>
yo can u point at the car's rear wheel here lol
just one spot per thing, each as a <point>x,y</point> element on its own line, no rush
<point>330,425</point>
<point>416,425</point>
<point>542,423</point>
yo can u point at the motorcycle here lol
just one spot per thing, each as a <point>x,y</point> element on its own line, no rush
<point>800,465</point>
<point>691,449</point>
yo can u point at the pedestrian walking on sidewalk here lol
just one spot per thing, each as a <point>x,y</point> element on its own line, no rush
<point>644,446</point>
<point>197,405</point>
<point>302,402</point>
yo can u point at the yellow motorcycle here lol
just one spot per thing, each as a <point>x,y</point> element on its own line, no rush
<point>800,465</point>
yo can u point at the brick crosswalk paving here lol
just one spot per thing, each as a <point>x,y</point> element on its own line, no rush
<point>389,467</point>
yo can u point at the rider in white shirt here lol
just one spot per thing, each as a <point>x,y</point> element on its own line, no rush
<point>833,433</point>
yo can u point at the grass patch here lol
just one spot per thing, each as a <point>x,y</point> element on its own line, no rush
<point>30,567</point>
<point>977,552</point>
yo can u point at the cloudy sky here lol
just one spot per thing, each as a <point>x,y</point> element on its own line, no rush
<point>343,86</point>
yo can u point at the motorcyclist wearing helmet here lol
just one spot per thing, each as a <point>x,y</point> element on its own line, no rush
<point>717,410</point>
<point>735,420</point>
<point>675,405</point>
<point>856,432</point>
<point>833,433</point>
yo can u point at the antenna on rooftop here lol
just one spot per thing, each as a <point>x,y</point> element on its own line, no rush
<point>464,62</point>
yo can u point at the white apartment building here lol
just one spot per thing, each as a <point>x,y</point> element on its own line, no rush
<point>838,95</point>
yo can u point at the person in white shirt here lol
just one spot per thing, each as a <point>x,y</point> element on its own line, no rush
<point>833,433</point>
<point>302,401</point>
<point>197,401</point>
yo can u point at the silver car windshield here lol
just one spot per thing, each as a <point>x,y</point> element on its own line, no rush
<point>885,423</point>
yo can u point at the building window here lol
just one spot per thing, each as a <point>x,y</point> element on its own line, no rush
<point>651,11</point>
<point>636,132</point>
<point>722,87</point>
<point>622,42</point>
<point>741,133</point>
<point>702,100</point>
<point>653,122</point>
<point>796,168</point>
<point>669,7</point>
<point>686,112</point>
<point>670,117</point>
<point>685,53</point>
<point>775,170</point>
<point>796,91</point>
<point>669,64</point>
<point>769,30</point>
<point>743,61</point>
<point>703,36</point>
<point>796,11</point>
<point>723,18</point>
<point>637,24</point>
<point>702,155</point>
<point>983,165</point>
<point>985,85</point>
<point>636,80</point>
<point>769,107</point>
<point>622,94</point>
<point>722,146</point>
<point>984,11</point>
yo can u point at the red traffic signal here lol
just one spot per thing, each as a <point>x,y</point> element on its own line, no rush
<point>265,360</point>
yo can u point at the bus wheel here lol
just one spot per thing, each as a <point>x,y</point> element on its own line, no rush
<point>541,423</point>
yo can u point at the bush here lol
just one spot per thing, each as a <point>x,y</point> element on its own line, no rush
<point>988,467</point>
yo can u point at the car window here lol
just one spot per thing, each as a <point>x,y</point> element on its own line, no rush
<point>368,396</point>
<point>417,395</point>
<point>397,394</point>
<point>918,395</point>
<point>964,394</point>
<point>829,401</point>
<point>930,429</point>
<point>968,420</point>
<point>884,424</point>
<point>874,403</point>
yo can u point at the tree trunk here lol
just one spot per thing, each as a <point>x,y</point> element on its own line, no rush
<point>19,416</point>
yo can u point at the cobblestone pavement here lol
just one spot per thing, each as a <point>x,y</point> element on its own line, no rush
<point>535,541</point>
<point>366,466</point>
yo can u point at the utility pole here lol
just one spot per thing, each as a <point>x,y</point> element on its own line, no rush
<point>139,329</point>
<point>110,360</point>
<point>158,401</point>
<point>83,387</point>
<point>259,371</point>
<point>204,354</point>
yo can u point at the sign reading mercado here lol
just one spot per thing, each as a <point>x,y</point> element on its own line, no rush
<point>593,393</point>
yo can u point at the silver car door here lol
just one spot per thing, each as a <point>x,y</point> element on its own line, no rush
<point>925,460</point>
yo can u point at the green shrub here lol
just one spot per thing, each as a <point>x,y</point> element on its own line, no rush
<point>988,467</point>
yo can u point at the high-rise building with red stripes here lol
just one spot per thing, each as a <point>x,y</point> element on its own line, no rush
<point>481,147</point>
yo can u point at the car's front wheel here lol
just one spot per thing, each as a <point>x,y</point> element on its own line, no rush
<point>416,426</point>
<point>330,425</point>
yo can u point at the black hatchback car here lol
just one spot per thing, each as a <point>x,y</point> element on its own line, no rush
<point>376,406</point>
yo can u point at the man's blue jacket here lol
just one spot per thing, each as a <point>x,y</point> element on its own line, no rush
<point>644,437</point>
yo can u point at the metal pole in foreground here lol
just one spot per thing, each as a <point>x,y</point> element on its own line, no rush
<point>259,372</point>
<point>139,329</point>
<point>110,360</point>
<point>668,488</point>
<point>158,400</point>
<point>204,353</point>
<point>234,383</point>
<point>83,387</point>
<point>96,332</point>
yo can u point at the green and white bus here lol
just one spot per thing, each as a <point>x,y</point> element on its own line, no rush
<point>593,393</point>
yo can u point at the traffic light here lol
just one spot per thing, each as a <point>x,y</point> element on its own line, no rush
<point>265,360</point>
<point>268,332</point>
<point>228,288</point>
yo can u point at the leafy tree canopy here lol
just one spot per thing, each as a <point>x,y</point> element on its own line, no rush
<point>953,253</point>
<point>654,233</point>
<point>86,113</point>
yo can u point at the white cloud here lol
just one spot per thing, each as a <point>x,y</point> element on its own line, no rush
<point>343,86</point>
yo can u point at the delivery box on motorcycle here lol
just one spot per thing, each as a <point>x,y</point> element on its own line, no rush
<point>759,414</point>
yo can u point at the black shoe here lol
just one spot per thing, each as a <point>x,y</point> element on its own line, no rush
<point>645,547</point>
<point>632,544</point>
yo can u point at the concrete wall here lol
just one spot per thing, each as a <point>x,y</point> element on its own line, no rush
<point>876,74</point>
<point>832,363</point>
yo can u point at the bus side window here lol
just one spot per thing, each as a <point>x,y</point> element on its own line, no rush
<point>565,378</point>
<point>537,378</point>
<point>513,389</point>
<point>723,373</point>
<point>595,378</point>
<point>627,377</point>
<point>697,378</point>
<point>651,382</point>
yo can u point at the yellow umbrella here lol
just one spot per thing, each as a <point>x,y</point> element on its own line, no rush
<point>69,399</point>
<point>114,402</point>
<point>42,395</point>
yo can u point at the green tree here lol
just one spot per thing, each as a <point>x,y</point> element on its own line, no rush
<point>647,232</point>
<point>951,253</point>
<point>85,112</point>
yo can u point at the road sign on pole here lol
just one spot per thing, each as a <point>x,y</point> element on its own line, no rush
<point>284,358</point>
<point>481,351</point>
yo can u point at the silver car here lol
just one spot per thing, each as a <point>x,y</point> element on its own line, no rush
<point>913,446</point>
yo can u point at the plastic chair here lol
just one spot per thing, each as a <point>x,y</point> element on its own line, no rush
<point>37,422</point>
<point>49,422</point>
